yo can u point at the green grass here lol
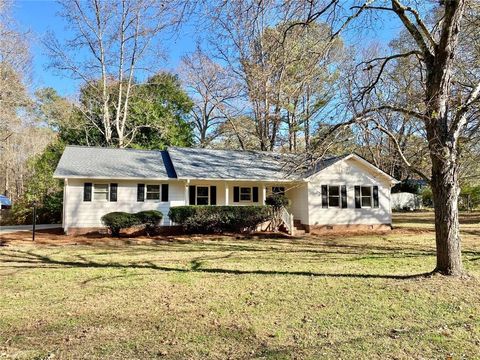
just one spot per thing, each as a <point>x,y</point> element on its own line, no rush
<point>342,297</point>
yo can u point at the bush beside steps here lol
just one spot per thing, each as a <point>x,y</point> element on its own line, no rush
<point>118,220</point>
<point>219,219</point>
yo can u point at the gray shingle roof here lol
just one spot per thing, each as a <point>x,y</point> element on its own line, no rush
<point>184,163</point>
<point>96,162</point>
<point>195,163</point>
<point>321,164</point>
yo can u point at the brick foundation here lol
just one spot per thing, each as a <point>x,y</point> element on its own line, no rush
<point>324,229</point>
<point>162,230</point>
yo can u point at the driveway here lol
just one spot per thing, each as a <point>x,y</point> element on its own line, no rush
<point>12,229</point>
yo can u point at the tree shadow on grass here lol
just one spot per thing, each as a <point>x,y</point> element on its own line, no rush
<point>30,259</point>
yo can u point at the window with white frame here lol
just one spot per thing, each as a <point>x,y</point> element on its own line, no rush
<point>100,192</point>
<point>245,194</point>
<point>334,196</point>
<point>153,192</point>
<point>202,195</point>
<point>366,196</point>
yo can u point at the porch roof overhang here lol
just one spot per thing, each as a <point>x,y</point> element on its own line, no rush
<point>246,180</point>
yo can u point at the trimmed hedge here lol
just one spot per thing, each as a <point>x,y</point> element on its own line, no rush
<point>216,219</point>
<point>118,220</point>
<point>149,218</point>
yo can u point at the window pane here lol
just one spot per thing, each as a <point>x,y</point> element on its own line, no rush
<point>366,201</point>
<point>153,192</point>
<point>202,191</point>
<point>100,191</point>
<point>153,195</point>
<point>333,190</point>
<point>202,200</point>
<point>101,196</point>
<point>334,201</point>
<point>101,188</point>
<point>245,194</point>
<point>153,188</point>
<point>366,191</point>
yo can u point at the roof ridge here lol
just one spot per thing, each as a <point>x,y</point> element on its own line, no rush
<point>233,150</point>
<point>113,148</point>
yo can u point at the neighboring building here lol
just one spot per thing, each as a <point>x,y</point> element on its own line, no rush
<point>5,202</point>
<point>345,191</point>
<point>406,201</point>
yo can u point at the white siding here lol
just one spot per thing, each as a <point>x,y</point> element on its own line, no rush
<point>79,213</point>
<point>305,198</point>
<point>298,196</point>
<point>350,173</point>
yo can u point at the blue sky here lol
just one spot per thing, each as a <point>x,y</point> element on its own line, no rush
<point>40,16</point>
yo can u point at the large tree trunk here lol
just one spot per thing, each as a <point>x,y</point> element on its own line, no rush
<point>445,191</point>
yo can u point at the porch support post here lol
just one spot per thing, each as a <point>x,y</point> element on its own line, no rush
<point>264,193</point>
<point>226,194</point>
<point>65,199</point>
<point>187,195</point>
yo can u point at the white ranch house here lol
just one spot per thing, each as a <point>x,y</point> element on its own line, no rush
<point>345,191</point>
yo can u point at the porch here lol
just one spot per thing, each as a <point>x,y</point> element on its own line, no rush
<point>242,193</point>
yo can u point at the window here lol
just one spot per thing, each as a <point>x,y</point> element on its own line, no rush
<point>245,194</point>
<point>366,196</point>
<point>334,196</point>
<point>202,195</point>
<point>100,192</point>
<point>280,190</point>
<point>153,192</point>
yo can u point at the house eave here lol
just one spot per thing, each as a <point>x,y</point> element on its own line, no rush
<point>111,178</point>
<point>391,179</point>
<point>241,180</point>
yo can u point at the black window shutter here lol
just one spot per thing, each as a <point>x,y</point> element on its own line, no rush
<point>375,196</point>
<point>113,192</point>
<point>191,194</point>
<point>255,194</point>
<point>344,196</point>
<point>236,194</point>
<point>213,195</point>
<point>164,192</point>
<point>324,196</point>
<point>358,204</point>
<point>140,192</point>
<point>87,192</point>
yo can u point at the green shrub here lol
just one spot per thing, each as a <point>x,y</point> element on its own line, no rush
<point>276,200</point>
<point>216,219</point>
<point>149,218</point>
<point>469,197</point>
<point>427,197</point>
<point>118,220</point>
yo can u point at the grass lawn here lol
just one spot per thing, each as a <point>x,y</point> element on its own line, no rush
<point>333,297</point>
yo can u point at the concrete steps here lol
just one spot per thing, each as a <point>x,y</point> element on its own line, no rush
<point>298,228</point>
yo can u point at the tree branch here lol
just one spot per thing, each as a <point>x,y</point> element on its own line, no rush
<point>460,117</point>
<point>399,150</point>
<point>400,9</point>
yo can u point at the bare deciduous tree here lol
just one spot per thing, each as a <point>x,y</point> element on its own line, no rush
<point>445,106</point>
<point>212,89</point>
<point>113,43</point>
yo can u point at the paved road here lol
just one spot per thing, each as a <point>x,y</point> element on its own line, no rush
<point>12,229</point>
